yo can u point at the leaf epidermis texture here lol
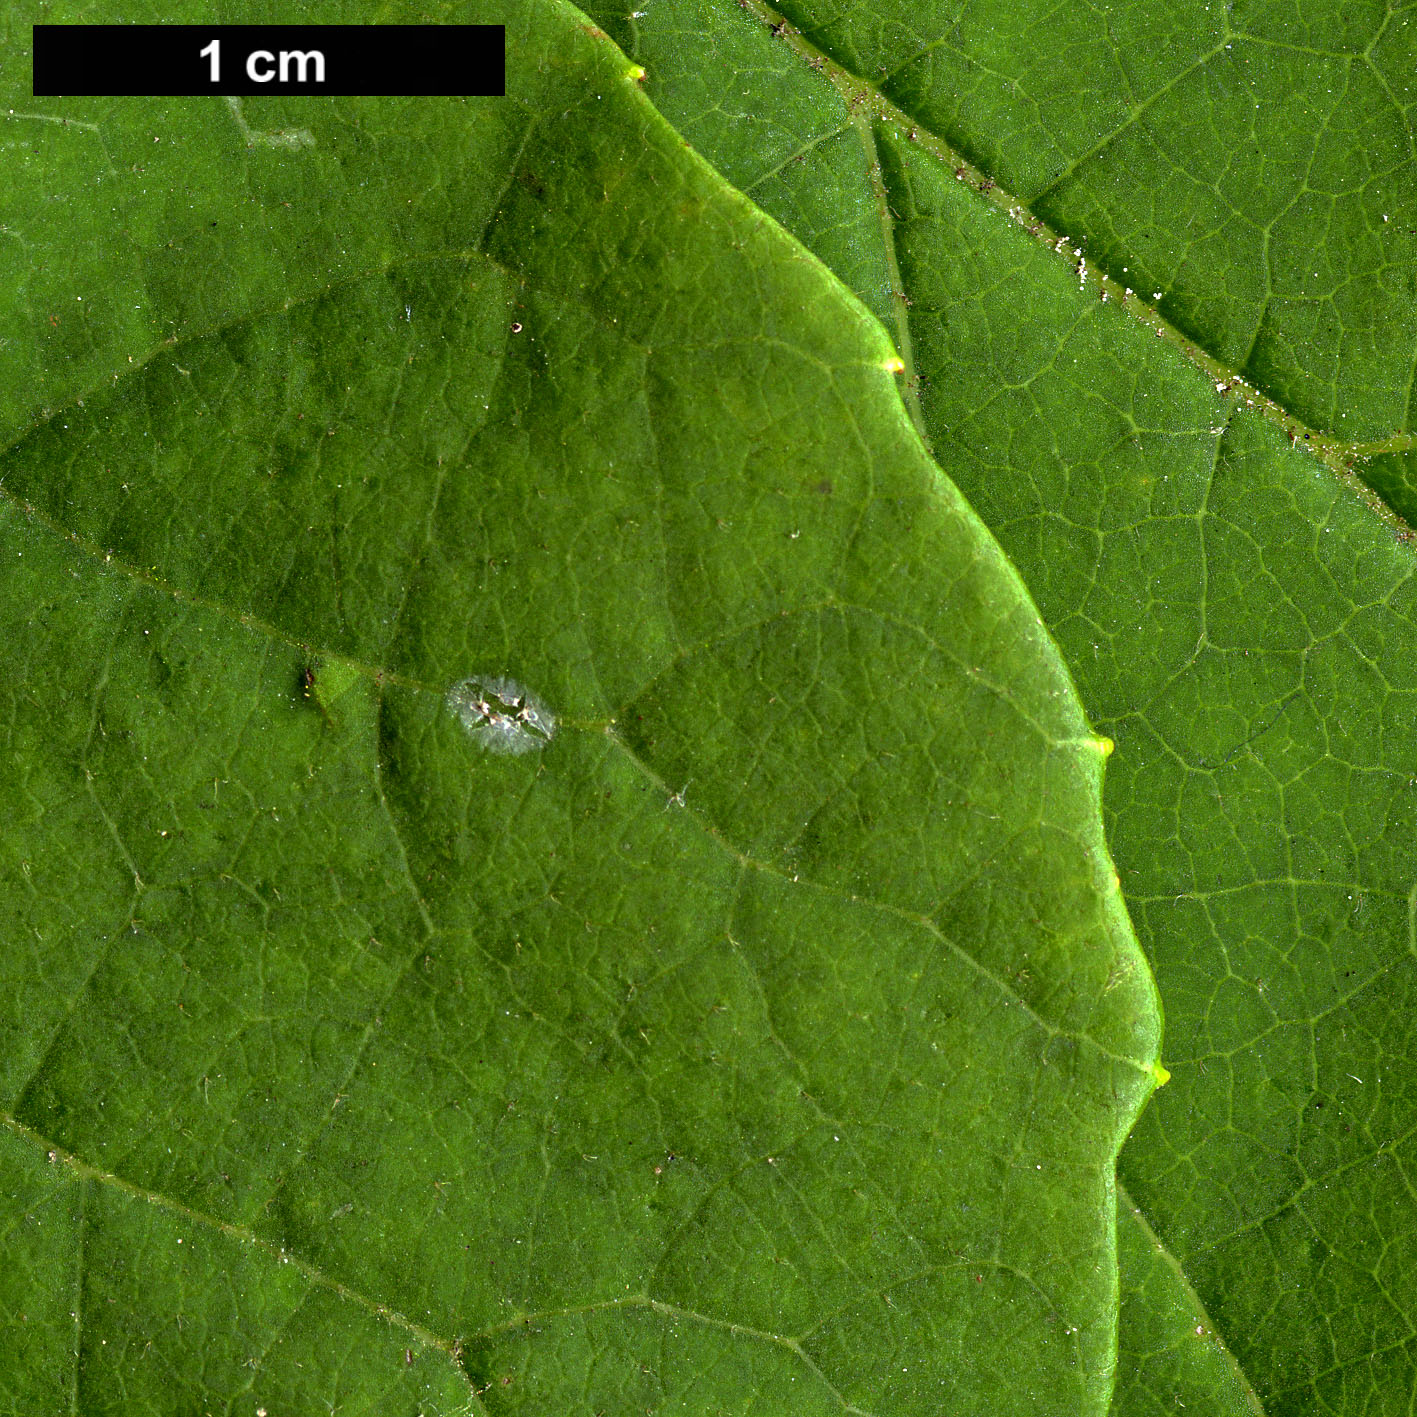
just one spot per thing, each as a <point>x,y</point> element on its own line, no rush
<point>764,1035</point>
<point>1182,459</point>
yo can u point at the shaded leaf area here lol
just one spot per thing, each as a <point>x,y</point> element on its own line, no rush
<point>1241,623</point>
<point>763,1036</point>
<point>1393,476</point>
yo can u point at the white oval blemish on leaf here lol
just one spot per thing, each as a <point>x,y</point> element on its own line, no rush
<point>501,715</point>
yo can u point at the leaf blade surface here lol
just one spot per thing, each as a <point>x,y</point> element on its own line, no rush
<point>1238,618</point>
<point>646,1064</point>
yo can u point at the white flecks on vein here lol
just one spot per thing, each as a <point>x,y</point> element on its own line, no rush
<point>501,715</point>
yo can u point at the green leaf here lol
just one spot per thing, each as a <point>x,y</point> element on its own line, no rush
<point>552,864</point>
<point>1171,466</point>
<point>1171,1356</point>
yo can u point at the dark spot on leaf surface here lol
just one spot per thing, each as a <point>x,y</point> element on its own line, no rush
<point>475,1357</point>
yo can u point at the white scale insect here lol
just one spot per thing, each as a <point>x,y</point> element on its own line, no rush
<point>502,716</point>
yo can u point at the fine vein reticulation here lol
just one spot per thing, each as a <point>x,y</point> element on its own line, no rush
<point>1237,612</point>
<point>687,1060</point>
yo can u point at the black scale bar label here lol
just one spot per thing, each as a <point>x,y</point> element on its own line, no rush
<point>182,61</point>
